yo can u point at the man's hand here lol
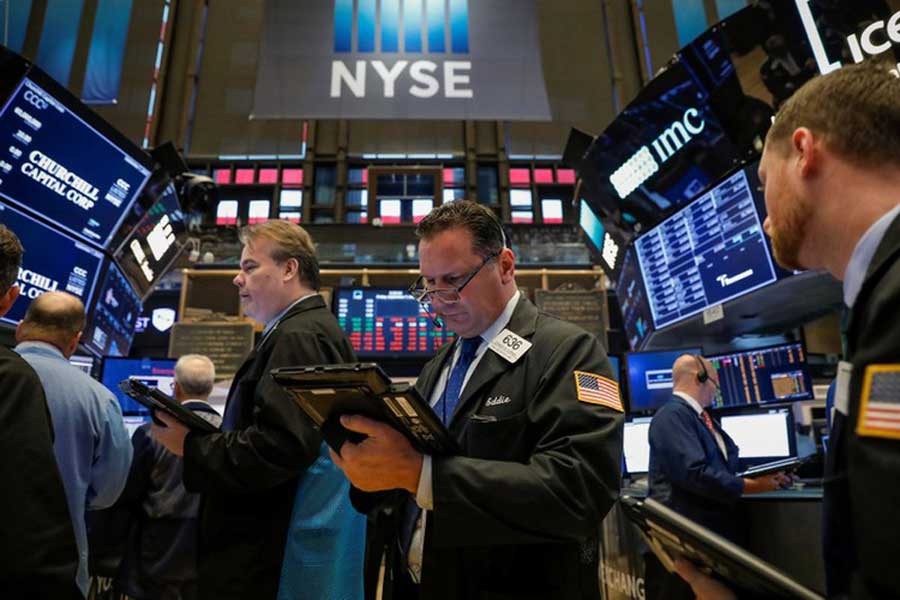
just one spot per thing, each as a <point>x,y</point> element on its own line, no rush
<point>767,483</point>
<point>703,586</point>
<point>383,461</point>
<point>172,435</point>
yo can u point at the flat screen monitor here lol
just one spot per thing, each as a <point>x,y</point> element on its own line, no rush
<point>84,362</point>
<point>650,378</point>
<point>616,365</point>
<point>63,163</point>
<point>709,252</point>
<point>154,326</point>
<point>111,323</point>
<point>52,262</point>
<point>133,422</point>
<point>637,320</point>
<point>606,245</point>
<point>762,435</point>
<point>387,323</point>
<point>772,374</point>
<point>153,245</point>
<point>155,372</point>
<point>636,445</point>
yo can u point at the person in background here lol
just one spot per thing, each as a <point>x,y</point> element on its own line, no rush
<point>275,518</point>
<point>694,465</point>
<point>91,446</point>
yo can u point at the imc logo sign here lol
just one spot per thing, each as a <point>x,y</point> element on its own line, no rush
<point>401,59</point>
<point>410,27</point>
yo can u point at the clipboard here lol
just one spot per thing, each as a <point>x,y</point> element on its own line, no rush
<point>671,536</point>
<point>326,392</point>
<point>154,399</point>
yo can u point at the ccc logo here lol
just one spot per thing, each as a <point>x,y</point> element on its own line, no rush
<point>35,100</point>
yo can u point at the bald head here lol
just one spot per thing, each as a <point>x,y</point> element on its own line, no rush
<point>195,376</point>
<point>685,378</point>
<point>56,318</point>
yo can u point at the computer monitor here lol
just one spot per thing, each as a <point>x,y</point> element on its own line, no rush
<point>616,365</point>
<point>63,163</point>
<point>605,244</point>
<point>111,322</point>
<point>650,378</point>
<point>84,362</point>
<point>52,262</point>
<point>387,323</point>
<point>154,326</point>
<point>772,374</point>
<point>133,422</point>
<point>637,321</point>
<point>636,445</point>
<point>155,372</point>
<point>761,434</point>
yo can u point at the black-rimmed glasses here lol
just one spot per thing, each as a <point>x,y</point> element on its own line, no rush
<point>451,295</point>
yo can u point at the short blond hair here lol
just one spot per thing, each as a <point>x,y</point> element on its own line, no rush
<point>291,241</point>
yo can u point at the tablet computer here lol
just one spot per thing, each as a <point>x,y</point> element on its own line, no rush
<point>671,535</point>
<point>325,392</point>
<point>154,399</point>
<point>785,464</point>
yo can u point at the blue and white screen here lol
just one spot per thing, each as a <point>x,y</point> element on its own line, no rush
<point>711,251</point>
<point>155,373</point>
<point>52,262</point>
<point>650,378</point>
<point>54,163</point>
<point>111,325</point>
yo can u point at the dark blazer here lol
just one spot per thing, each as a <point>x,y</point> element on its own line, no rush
<point>517,514</point>
<point>688,472</point>
<point>249,476</point>
<point>38,556</point>
<point>862,483</point>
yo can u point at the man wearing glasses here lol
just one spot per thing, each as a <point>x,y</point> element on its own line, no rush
<point>693,466</point>
<point>534,406</point>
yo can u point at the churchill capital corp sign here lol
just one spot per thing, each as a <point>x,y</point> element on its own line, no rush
<point>394,59</point>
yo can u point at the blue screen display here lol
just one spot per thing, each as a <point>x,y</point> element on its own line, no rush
<point>650,377</point>
<point>384,322</point>
<point>711,251</point>
<point>773,374</point>
<point>57,165</point>
<point>592,226</point>
<point>111,324</point>
<point>636,318</point>
<point>157,373</point>
<point>617,368</point>
<point>52,262</point>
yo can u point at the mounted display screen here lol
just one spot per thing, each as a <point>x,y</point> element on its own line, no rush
<point>112,321</point>
<point>773,374</point>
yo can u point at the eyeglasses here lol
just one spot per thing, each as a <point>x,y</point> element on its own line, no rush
<point>419,290</point>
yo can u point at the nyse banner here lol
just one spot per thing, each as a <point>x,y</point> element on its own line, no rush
<point>401,59</point>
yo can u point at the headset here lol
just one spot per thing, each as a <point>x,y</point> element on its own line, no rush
<point>703,375</point>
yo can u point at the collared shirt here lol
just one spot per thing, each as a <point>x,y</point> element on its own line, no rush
<point>720,442</point>
<point>863,254</point>
<point>272,323</point>
<point>92,446</point>
<point>425,492</point>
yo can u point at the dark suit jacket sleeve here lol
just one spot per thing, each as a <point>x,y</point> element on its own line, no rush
<point>278,445</point>
<point>674,442</point>
<point>565,487</point>
<point>139,474</point>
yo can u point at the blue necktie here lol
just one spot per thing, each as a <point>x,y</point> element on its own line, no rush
<point>450,398</point>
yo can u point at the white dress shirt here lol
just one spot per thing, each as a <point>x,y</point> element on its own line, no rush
<point>696,406</point>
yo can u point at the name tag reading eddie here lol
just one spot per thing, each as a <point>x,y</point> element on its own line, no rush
<point>510,345</point>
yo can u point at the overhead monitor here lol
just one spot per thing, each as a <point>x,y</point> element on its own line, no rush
<point>154,326</point>
<point>637,320</point>
<point>52,262</point>
<point>772,374</point>
<point>709,252</point>
<point>762,435</point>
<point>154,372</point>
<point>111,322</point>
<point>60,161</point>
<point>607,245</point>
<point>387,323</point>
<point>650,378</point>
<point>636,445</point>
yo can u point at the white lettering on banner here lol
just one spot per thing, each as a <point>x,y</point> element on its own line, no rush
<point>35,100</point>
<point>456,74</point>
<point>624,583</point>
<point>29,120</point>
<point>33,284</point>
<point>610,251</point>
<point>56,177</point>
<point>725,280</point>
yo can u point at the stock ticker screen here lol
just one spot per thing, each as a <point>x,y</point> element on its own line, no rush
<point>112,321</point>
<point>52,262</point>
<point>637,320</point>
<point>55,163</point>
<point>772,374</point>
<point>710,251</point>
<point>387,323</point>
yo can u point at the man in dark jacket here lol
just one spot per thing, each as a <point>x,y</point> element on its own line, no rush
<point>160,561</point>
<point>38,555</point>
<point>831,170</point>
<point>250,472</point>
<point>532,402</point>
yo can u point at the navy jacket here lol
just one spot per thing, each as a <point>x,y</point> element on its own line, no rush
<point>688,472</point>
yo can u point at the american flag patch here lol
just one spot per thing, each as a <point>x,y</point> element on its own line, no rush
<point>879,408</point>
<point>596,389</point>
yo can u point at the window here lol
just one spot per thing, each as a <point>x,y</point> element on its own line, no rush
<point>391,211</point>
<point>520,199</point>
<point>290,203</point>
<point>325,184</point>
<point>259,211</point>
<point>453,194</point>
<point>227,212</point>
<point>357,198</point>
<point>488,185</point>
<point>552,210</point>
<point>420,208</point>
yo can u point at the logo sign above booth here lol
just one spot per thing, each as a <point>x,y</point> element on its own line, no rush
<point>406,59</point>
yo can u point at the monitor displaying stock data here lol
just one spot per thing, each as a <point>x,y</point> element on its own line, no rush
<point>772,374</point>
<point>154,372</point>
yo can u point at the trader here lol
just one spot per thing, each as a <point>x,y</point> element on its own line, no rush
<point>268,455</point>
<point>532,402</point>
<point>92,446</point>
<point>38,554</point>
<point>694,464</point>
<point>831,171</point>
